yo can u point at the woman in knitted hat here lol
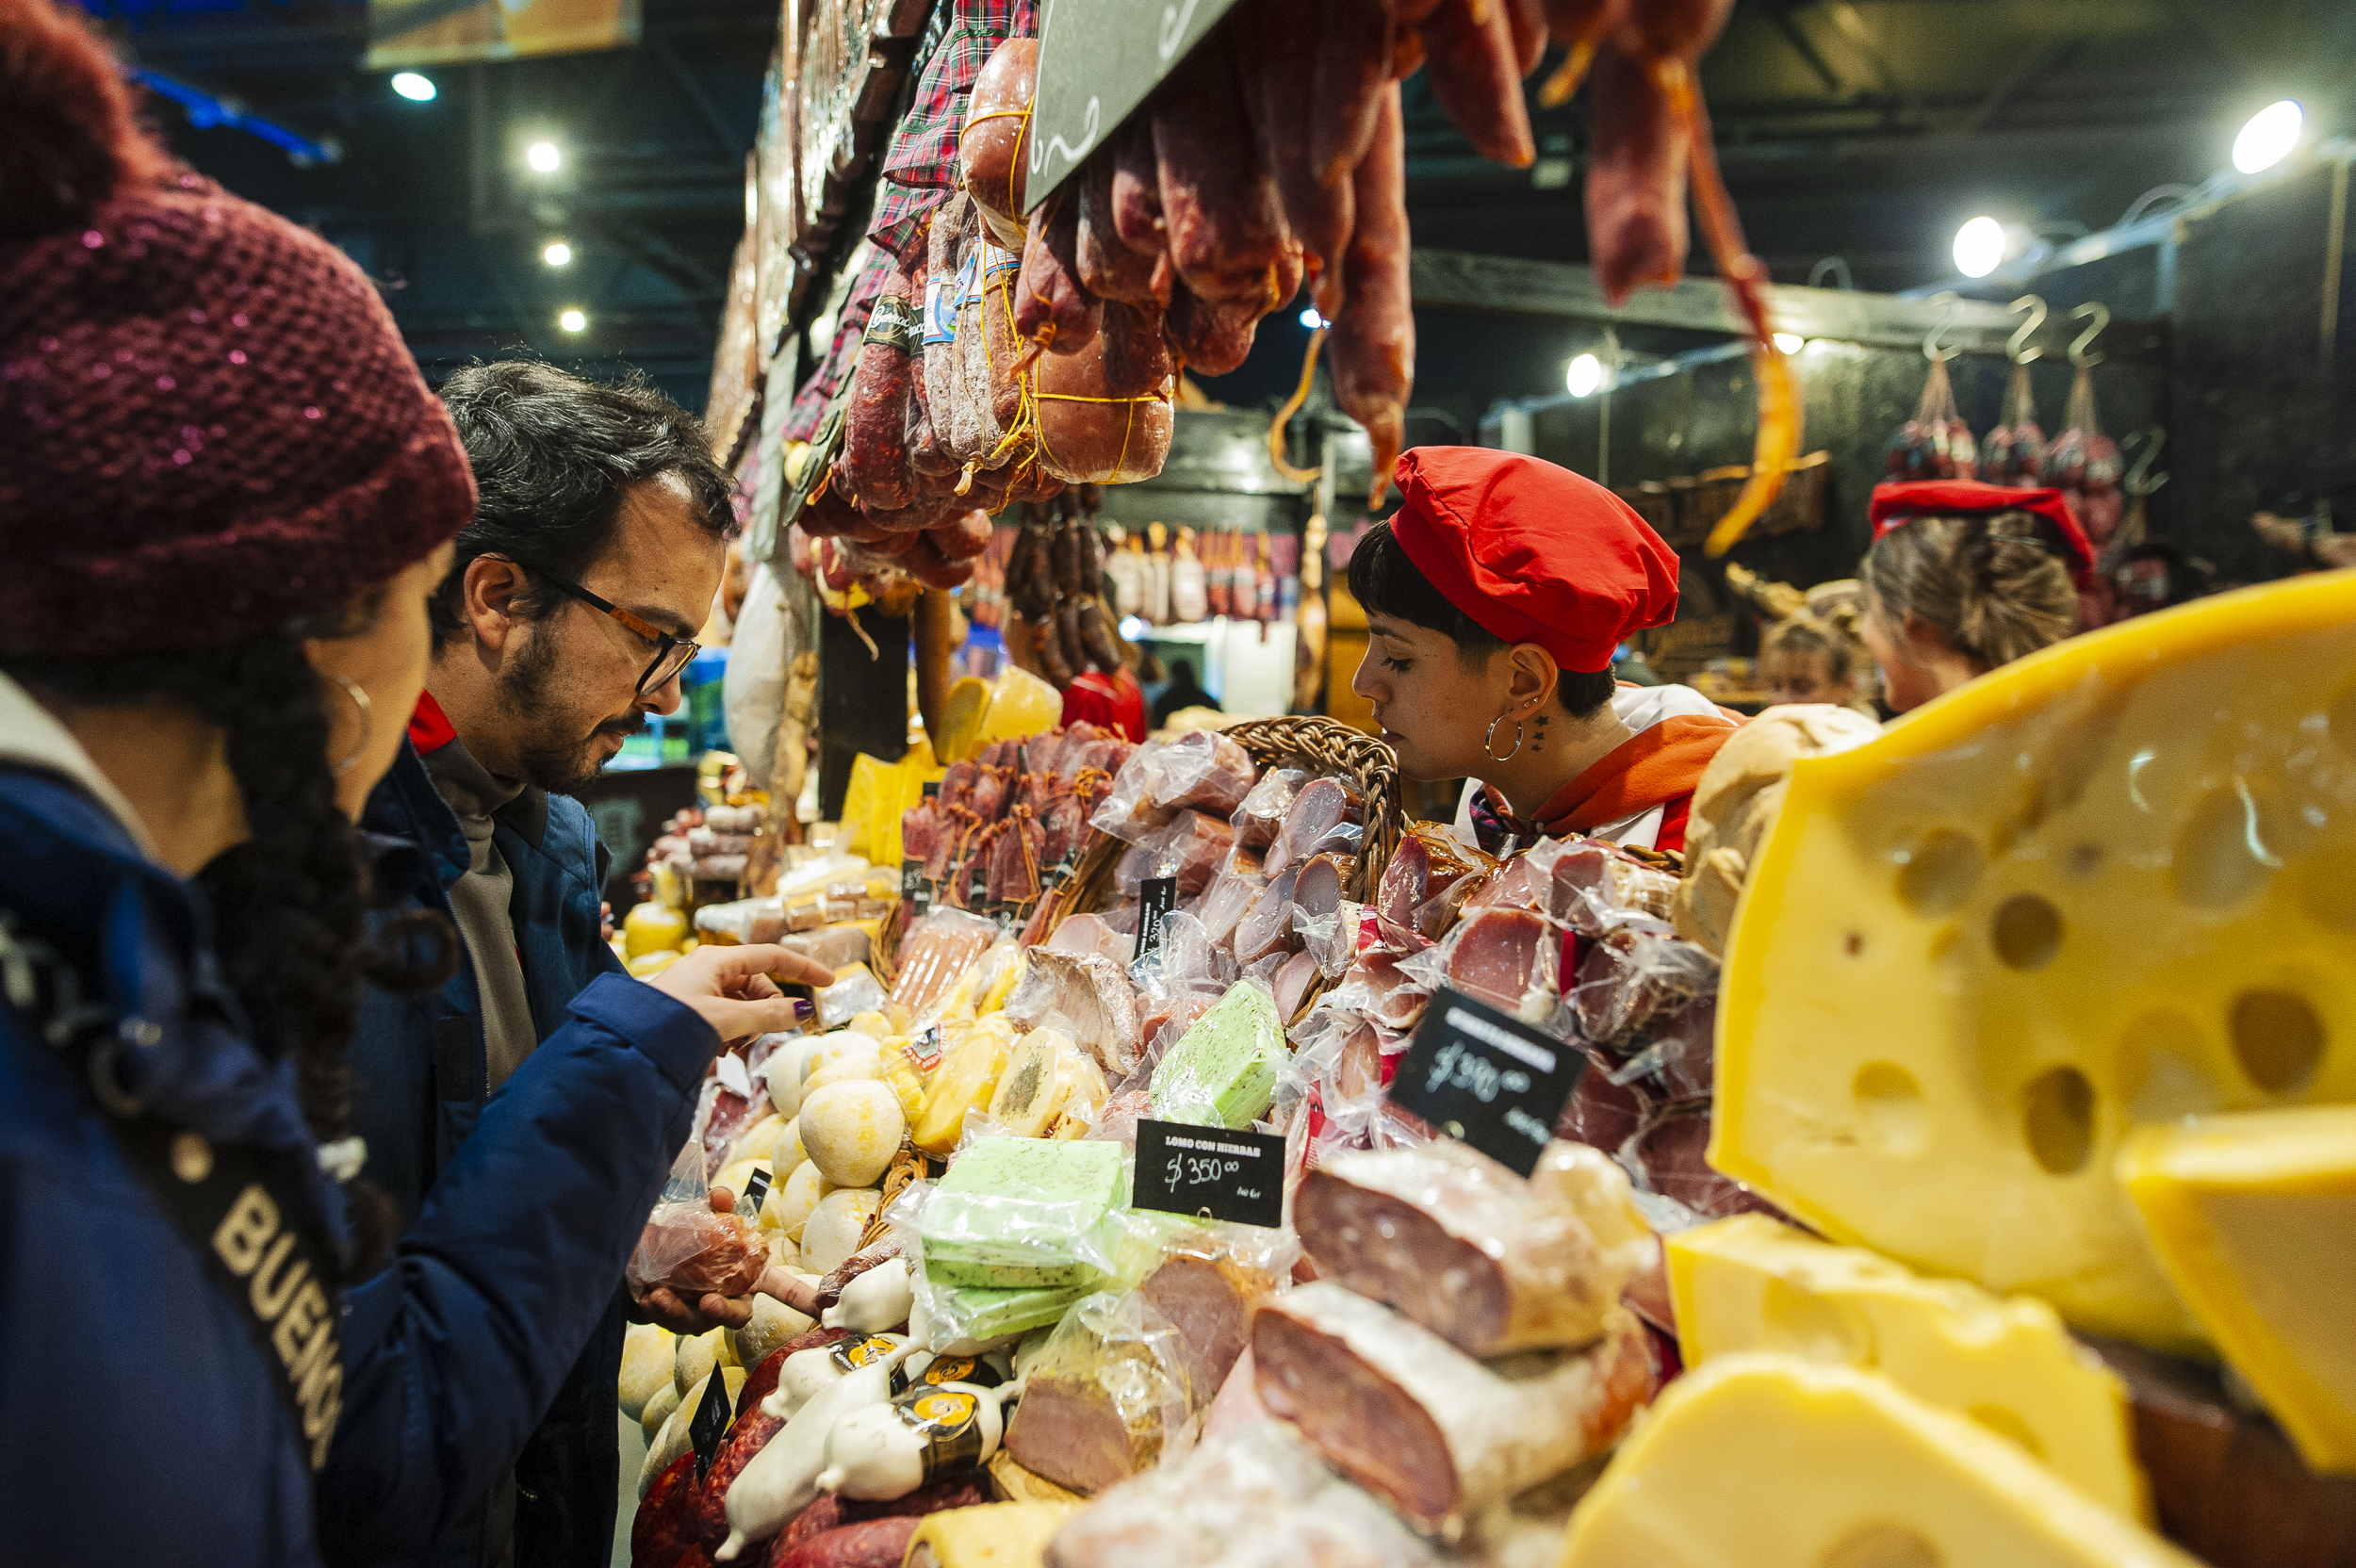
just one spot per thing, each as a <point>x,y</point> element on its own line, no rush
<point>225,497</point>
<point>1496,597</point>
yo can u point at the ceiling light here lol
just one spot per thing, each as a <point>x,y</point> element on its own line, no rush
<point>1979,247</point>
<point>1310,319</point>
<point>573,320</point>
<point>2269,137</point>
<point>543,156</point>
<point>1790,342</point>
<point>557,254</point>
<point>1584,376</point>
<point>416,88</point>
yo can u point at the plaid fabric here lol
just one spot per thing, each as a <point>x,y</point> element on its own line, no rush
<point>919,167</point>
<point>810,403</point>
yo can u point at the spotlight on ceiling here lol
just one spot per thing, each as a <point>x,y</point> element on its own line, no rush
<point>1584,376</point>
<point>557,254</point>
<point>416,88</point>
<point>573,320</point>
<point>1790,342</point>
<point>2269,137</point>
<point>543,156</point>
<point>1979,247</point>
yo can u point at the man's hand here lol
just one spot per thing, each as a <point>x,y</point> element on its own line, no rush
<point>730,987</point>
<point>779,1285</point>
<point>665,1306</point>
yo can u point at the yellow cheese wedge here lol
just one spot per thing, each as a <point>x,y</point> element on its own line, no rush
<point>1754,1284</point>
<point>990,1535</point>
<point>2105,886</point>
<point>962,1081</point>
<point>1036,1081</point>
<point>1769,1461</point>
<point>2254,1219</point>
<point>961,720</point>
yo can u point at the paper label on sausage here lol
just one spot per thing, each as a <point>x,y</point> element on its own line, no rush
<point>970,278</point>
<point>894,324</point>
<point>960,1369</point>
<point>949,1421</point>
<point>997,263</point>
<point>941,297</point>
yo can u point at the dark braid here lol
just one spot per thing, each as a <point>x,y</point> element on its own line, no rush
<point>291,900</point>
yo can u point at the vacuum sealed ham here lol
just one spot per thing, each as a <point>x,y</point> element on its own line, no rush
<point>1428,864</point>
<point>688,1249</point>
<point>1488,1261</point>
<point>1326,814</point>
<point>1427,1428</point>
<point>1106,1397</point>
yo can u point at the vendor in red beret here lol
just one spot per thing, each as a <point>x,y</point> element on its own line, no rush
<point>1496,597</point>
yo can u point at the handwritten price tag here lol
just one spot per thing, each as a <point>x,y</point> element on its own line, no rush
<point>1098,61</point>
<point>1182,1168</point>
<point>1488,1079</point>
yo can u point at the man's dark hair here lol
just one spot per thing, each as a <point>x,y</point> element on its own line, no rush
<point>552,456</point>
<point>1382,580</point>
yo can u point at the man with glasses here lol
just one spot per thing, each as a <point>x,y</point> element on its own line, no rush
<point>571,608</point>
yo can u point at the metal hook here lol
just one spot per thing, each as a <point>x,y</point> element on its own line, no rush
<point>2102,314</point>
<point>1931,349</point>
<point>2139,479</point>
<point>2018,346</point>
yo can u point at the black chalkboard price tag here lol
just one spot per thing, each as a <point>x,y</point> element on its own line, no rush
<point>708,1426</point>
<point>1098,61</point>
<point>1156,897</point>
<point>1182,1168</point>
<point>755,1188</point>
<point>1487,1078</point>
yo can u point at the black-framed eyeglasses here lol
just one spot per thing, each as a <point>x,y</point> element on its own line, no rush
<point>671,654</point>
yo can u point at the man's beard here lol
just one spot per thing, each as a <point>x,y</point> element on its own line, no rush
<point>548,753</point>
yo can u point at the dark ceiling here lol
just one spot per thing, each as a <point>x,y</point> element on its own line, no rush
<point>1864,129</point>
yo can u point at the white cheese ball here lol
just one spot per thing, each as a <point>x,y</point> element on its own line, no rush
<point>834,1231</point>
<point>852,1129</point>
<point>789,1206</point>
<point>843,1056</point>
<point>649,1364</point>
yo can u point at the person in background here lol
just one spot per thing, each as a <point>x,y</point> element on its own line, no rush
<point>567,617</point>
<point>1494,599</point>
<point>202,678</point>
<point>1184,691</point>
<point>1813,658</point>
<point>1963,578</point>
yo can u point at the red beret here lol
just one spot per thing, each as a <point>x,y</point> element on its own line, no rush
<point>2058,529</point>
<point>1533,553</point>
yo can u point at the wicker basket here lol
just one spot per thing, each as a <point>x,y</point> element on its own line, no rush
<point>1320,745</point>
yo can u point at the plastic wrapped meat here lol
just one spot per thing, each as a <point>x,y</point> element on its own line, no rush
<point>1129,811</point>
<point>1268,929</point>
<point>935,953</point>
<point>1225,903</point>
<point>1428,862</point>
<point>1507,959</point>
<point>1018,862</point>
<point>1104,1395</point>
<point>722,1117</point>
<point>1326,814</point>
<point>1192,847</point>
<point>1322,883</point>
<point>1636,974</point>
<point>1436,1434</point>
<point>1202,770</point>
<point>1188,1513</point>
<point>1293,982</point>
<point>1488,1261</point>
<point>1083,935</point>
<point>1395,1000</point>
<point>687,1248</point>
<point>1262,813</point>
<point>1595,884</point>
<point>1091,994</point>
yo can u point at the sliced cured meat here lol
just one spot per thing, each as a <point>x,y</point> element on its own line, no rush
<point>1192,847</point>
<point>1268,929</point>
<point>1507,959</point>
<point>1323,808</point>
<point>1397,1001</point>
<point>1594,883</point>
<point>1082,935</point>
<point>1202,770</point>
<point>1427,1428</point>
<point>1488,1261</point>
<point>1293,982</point>
<point>1210,1301</point>
<point>1094,995</point>
<point>1190,1512</point>
<point>1262,813</point>
<point>1634,976</point>
<point>1226,902</point>
<point>1090,1424</point>
<point>1429,861</point>
<point>873,1544</point>
<point>1322,883</point>
<point>936,951</point>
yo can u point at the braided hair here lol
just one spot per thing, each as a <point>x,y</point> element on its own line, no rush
<point>1984,581</point>
<point>291,901</point>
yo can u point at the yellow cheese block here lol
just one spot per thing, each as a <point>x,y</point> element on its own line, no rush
<point>652,928</point>
<point>1754,1284</point>
<point>1038,1080</point>
<point>2254,1219</point>
<point>990,1535</point>
<point>2105,886</point>
<point>962,1081</point>
<point>1769,1461</point>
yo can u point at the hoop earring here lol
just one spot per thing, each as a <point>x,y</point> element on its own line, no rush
<point>1488,741</point>
<point>359,696</point>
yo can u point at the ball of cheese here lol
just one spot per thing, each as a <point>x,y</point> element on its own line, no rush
<point>665,1448</point>
<point>785,1070</point>
<point>834,1231</point>
<point>649,1362</point>
<point>697,1355</point>
<point>848,1056</point>
<point>790,1153</point>
<point>772,1324</point>
<point>789,1206</point>
<point>760,1139</point>
<point>659,1409</point>
<point>852,1129</point>
<point>738,1177</point>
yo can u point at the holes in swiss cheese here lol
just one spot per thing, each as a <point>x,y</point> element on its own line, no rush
<point>1889,1108</point>
<point>2278,1038</point>
<point>1882,1545</point>
<point>2057,1118</point>
<point>1797,1319</point>
<point>2027,931</point>
<point>1938,872</point>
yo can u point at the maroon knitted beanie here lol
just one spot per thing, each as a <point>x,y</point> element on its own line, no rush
<point>209,422</point>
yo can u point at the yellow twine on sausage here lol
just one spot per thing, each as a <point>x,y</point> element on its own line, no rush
<point>1292,406</point>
